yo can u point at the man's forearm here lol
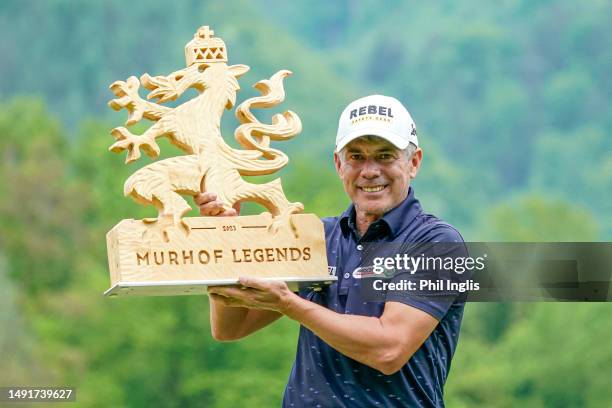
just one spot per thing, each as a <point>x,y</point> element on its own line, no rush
<point>233,323</point>
<point>362,338</point>
<point>385,343</point>
<point>226,322</point>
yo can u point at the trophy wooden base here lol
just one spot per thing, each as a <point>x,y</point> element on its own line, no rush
<point>214,251</point>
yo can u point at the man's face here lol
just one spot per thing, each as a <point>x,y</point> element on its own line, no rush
<point>375,174</point>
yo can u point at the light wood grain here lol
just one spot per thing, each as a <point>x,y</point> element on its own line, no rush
<point>193,126</point>
<point>169,253</point>
<point>218,248</point>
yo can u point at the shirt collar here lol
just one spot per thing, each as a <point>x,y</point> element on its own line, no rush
<point>395,219</point>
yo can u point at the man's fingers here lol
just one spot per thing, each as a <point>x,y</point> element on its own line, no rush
<point>230,213</point>
<point>219,290</point>
<point>218,298</point>
<point>225,301</point>
<point>204,198</point>
<point>253,283</point>
<point>234,296</point>
<point>229,291</point>
<point>211,208</point>
<point>215,209</point>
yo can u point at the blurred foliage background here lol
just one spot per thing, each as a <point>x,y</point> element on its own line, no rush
<point>512,104</point>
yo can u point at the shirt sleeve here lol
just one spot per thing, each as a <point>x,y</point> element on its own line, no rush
<point>437,276</point>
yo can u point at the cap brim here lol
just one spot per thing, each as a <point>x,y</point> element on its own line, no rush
<point>398,141</point>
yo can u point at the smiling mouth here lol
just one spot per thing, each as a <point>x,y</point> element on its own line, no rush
<point>374,189</point>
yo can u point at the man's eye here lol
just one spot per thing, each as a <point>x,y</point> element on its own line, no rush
<point>355,156</point>
<point>385,157</point>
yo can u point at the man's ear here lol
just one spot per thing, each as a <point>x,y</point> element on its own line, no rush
<point>415,162</point>
<point>338,163</point>
<point>238,70</point>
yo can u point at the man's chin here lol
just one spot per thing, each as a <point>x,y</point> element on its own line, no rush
<point>372,210</point>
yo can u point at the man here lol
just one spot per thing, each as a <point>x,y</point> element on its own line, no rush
<point>351,351</point>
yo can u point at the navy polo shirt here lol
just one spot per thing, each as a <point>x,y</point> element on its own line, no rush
<point>322,376</point>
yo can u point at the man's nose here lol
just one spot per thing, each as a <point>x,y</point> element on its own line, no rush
<point>370,169</point>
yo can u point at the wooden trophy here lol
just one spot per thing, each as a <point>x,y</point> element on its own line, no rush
<point>172,255</point>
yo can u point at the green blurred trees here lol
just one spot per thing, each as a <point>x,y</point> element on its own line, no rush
<point>533,354</point>
<point>41,210</point>
<point>533,218</point>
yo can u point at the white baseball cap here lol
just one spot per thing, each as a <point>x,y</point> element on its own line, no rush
<point>376,115</point>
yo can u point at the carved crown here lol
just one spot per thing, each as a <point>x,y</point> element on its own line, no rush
<point>205,48</point>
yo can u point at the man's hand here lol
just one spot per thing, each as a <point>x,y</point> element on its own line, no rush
<point>210,206</point>
<point>254,293</point>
